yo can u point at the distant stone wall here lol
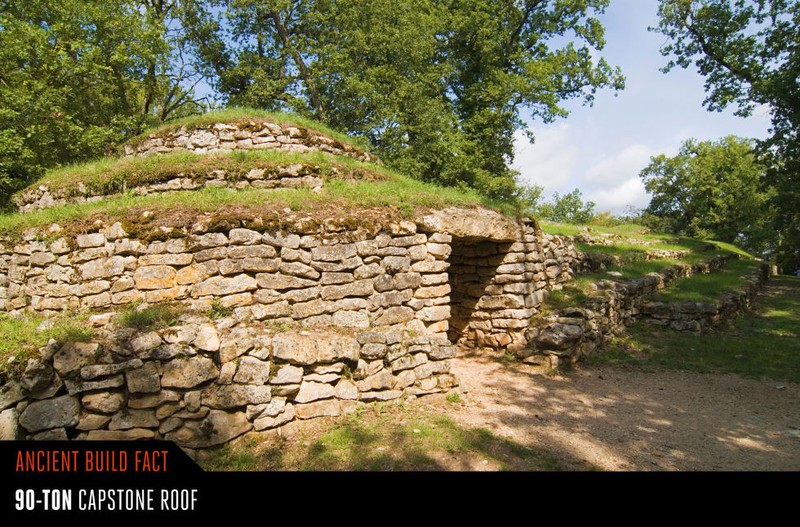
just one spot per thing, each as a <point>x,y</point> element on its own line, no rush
<point>245,135</point>
<point>699,316</point>
<point>203,383</point>
<point>574,332</point>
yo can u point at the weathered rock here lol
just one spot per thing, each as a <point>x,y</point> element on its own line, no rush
<point>103,402</point>
<point>92,421</point>
<point>37,376</point>
<point>144,342</point>
<point>152,400</point>
<point>345,389</point>
<point>235,395</point>
<point>207,338</point>
<point>310,349</point>
<point>9,425</point>
<point>120,435</point>
<point>58,412</point>
<point>559,336</point>
<point>395,315</point>
<point>102,268</point>
<point>55,434</point>
<point>127,419</point>
<point>471,224</point>
<point>312,391</point>
<point>217,428</point>
<point>386,395</point>
<point>252,371</point>
<point>104,370</point>
<point>287,374</point>
<point>188,372</point>
<point>266,421</point>
<point>74,355</point>
<point>328,407</point>
<point>378,381</point>
<point>221,285</point>
<point>10,393</point>
<point>155,277</point>
<point>144,380</point>
<point>78,386</point>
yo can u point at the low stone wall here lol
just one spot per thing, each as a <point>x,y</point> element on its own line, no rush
<point>247,135</point>
<point>296,175</point>
<point>202,383</point>
<point>574,332</point>
<point>590,262</point>
<point>700,316</point>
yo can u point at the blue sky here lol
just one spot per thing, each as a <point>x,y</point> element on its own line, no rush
<point>601,149</point>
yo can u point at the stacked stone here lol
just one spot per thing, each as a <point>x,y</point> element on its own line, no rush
<point>252,135</point>
<point>202,384</point>
<point>348,279</point>
<point>699,316</point>
<point>296,175</point>
<point>574,332</point>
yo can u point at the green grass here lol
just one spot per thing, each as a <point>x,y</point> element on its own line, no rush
<point>154,317</point>
<point>761,344</point>
<point>380,438</point>
<point>21,339</point>
<point>231,115</point>
<point>708,287</point>
<point>111,176</point>
<point>400,191</point>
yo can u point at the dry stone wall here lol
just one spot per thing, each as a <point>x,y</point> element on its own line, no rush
<point>202,383</point>
<point>245,135</point>
<point>320,321</point>
<point>697,317</point>
<point>295,175</point>
<point>574,332</point>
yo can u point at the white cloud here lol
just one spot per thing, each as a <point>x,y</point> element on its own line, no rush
<point>620,167</point>
<point>550,161</point>
<point>615,199</point>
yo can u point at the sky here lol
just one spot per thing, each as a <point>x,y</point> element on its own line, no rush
<point>601,149</point>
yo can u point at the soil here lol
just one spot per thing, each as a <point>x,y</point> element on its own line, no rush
<point>628,419</point>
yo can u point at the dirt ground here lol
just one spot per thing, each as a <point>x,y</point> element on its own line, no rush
<point>626,419</point>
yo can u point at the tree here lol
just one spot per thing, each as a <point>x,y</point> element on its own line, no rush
<point>78,77</point>
<point>749,53</point>
<point>712,190</point>
<point>437,87</point>
<point>569,208</point>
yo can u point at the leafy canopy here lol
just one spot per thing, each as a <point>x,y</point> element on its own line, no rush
<point>436,86</point>
<point>712,190</point>
<point>749,53</point>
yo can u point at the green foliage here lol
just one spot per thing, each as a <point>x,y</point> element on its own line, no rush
<point>218,310</point>
<point>21,337</point>
<point>453,397</point>
<point>153,317</point>
<point>569,208</point>
<point>436,87</point>
<point>712,190</point>
<point>77,77</point>
<point>749,54</point>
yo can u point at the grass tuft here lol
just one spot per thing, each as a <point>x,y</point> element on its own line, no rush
<point>154,317</point>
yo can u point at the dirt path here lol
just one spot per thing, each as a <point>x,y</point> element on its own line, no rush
<point>616,418</point>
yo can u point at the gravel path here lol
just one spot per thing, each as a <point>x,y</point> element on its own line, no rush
<point>616,418</point>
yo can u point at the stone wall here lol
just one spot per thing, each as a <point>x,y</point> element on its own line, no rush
<point>574,332</point>
<point>697,317</point>
<point>203,383</point>
<point>399,274</point>
<point>246,135</point>
<point>295,175</point>
<point>322,318</point>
